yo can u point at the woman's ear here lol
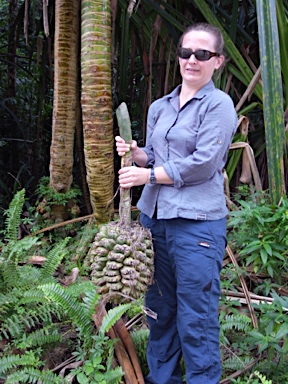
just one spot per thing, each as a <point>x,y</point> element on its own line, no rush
<point>219,61</point>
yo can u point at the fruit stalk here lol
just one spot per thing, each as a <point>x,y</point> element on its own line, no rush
<point>124,123</point>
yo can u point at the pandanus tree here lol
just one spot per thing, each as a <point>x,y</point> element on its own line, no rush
<point>65,96</point>
<point>96,101</point>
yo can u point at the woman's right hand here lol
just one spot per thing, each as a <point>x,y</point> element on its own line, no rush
<point>122,147</point>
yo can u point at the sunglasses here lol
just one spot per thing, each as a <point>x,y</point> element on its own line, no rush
<point>200,54</point>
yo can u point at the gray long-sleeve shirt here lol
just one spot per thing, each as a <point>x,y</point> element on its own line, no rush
<point>192,145</point>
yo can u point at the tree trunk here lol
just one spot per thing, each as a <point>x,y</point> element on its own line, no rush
<point>64,103</point>
<point>96,100</point>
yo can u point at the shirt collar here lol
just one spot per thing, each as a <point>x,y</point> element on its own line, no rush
<point>207,88</point>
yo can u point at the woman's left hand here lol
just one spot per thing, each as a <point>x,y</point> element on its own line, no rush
<point>133,176</point>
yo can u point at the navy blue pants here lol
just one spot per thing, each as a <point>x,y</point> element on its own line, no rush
<point>185,295</point>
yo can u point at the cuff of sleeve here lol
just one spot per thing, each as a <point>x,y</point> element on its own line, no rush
<point>173,173</point>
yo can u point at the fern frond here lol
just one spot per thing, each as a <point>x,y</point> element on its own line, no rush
<point>140,337</point>
<point>238,322</point>
<point>54,258</point>
<point>13,214</point>
<point>112,316</point>
<point>236,363</point>
<point>18,250</point>
<point>15,252</point>
<point>32,375</point>
<point>81,287</point>
<point>263,378</point>
<point>90,299</point>
<point>10,275</point>
<point>38,311</point>
<point>12,327</point>
<point>33,295</point>
<point>69,304</point>
<point>140,341</point>
<point>7,302</point>
<point>41,337</point>
<point>10,362</point>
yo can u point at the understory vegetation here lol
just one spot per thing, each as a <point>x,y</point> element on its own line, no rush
<point>49,331</point>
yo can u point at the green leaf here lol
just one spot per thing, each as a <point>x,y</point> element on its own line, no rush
<point>88,368</point>
<point>257,335</point>
<point>270,271</point>
<point>263,346</point>
<point>97,360</point>
<point>283,331</point>
<point>264,256</point>
<point>233,52</point>
<point>98,376</point>
<point>82,378</point>
<point>268,248</point>
<point>273,95</point>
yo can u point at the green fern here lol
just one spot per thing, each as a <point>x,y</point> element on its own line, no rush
<point>54,258</point>
<point>32,375</point>
<point>262,378</point>
<point>91,298</point>
<point>235,363</point>
<point>112,316</point>
<point>75,310</point>
<point>236,322</point>
<point>9,362</point>
<point>13,213</point>
<point>26,312</point>
<point>40,337</point>
<point>140,341</point>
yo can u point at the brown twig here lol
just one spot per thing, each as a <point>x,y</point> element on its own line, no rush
<point>124,335</point>
<point>244,286</point>
<point>121,353</point>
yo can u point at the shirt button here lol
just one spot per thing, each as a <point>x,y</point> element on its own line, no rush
<point>219,142</point>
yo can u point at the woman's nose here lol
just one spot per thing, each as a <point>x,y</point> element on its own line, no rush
<point>193,58</point>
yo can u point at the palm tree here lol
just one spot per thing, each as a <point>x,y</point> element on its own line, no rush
<point>96,101</point>
<point>65,96</point>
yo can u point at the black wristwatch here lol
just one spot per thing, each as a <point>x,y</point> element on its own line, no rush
<point>152,177</point>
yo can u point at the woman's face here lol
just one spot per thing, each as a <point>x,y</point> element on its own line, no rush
<point>197,73</point>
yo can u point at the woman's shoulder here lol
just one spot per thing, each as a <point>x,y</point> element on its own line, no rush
<point>218,97</point>
<point>218,93</point>
<point>162,100</point>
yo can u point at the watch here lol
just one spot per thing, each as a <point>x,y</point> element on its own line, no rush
<point>152,177</point>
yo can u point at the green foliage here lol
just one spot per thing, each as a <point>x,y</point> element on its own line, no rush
<point>32,375</point>
<point>259,230</point>
<point>32,314</point>
<point>52,197</point>
<point>272,334</point>
<point>97,367</point>
<point>253,379</point>
<point>113,315</point>
<point>140,340</point>
<point>70,305</point>
<point>234,330</point>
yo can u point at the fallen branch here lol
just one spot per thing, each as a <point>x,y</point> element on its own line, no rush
<point>120,351</point>
<point>122,331</point>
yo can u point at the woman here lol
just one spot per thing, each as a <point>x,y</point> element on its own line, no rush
<point>189,133</point>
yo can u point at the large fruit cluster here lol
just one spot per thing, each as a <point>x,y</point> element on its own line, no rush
<point>122,261</point>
